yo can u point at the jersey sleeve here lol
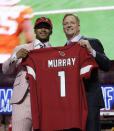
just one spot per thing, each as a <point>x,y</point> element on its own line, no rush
<point>87,63</point>
<point>31,76</point>
<point>28,63</point>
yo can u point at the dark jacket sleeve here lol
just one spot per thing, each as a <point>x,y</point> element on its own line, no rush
<point>101,59</point>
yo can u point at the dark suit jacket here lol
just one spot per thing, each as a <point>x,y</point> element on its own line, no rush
<point>92,86</point>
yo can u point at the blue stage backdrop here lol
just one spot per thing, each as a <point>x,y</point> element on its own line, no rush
<point>6,93</point>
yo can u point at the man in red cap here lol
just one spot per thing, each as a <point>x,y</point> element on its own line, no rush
<point>21,106</point>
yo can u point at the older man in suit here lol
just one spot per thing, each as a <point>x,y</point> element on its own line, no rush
<point>21,114</point>
<point>71,27</point>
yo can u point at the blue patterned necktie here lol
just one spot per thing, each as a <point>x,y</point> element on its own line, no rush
<point>69,42</point>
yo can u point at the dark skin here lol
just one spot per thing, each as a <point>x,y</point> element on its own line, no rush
<point>43,32</point>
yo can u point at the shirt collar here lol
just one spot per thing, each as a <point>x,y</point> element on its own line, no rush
<point>37,42</point>
<point>75,39</point>
<point>47,44</point>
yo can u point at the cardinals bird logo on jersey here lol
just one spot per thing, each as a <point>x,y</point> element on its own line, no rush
<point>61,53</point>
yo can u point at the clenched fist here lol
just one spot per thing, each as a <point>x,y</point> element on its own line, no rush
<point>22,53</point>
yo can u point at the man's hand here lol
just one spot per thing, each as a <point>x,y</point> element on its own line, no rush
<point>22,53</point>
<point>86,44</point>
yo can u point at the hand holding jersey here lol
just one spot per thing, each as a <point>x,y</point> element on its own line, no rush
<point>86,44</point>
<point>22,53</point>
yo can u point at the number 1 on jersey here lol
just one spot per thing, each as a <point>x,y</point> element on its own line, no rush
<point>61,74</point>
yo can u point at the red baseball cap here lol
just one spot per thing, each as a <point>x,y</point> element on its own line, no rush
<point>43,20</point>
